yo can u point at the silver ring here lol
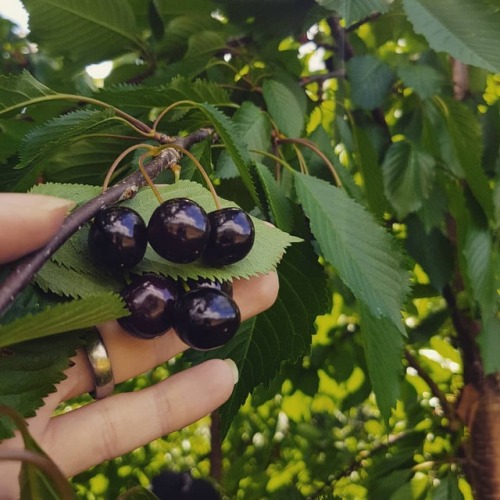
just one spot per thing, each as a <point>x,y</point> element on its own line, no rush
<point>100,364</point>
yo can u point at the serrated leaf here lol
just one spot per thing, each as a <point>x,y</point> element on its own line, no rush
<point>205,43</point>
<point>60,318</point>
<point>21,90</point>
<point>371,79</point>
<point>284,108</point>
<point>408,175</point>
<point>234,145</point>
<point>85,31</point>
<point>361,251</point>
<point>44,141</point>
<point>254,129</point>
<point>79,193</point>
<point>279,204</point>
<point>383,344</point>
<point>424,80</point>
<point>72,274</point>
<point>465,29</point>
<point>282,333</point>
<point>29,371</point>
<point>353,11</point>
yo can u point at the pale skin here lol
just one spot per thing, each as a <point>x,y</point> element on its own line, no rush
<point>120,423</point>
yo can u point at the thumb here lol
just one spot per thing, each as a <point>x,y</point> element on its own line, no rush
<point>28,221</point>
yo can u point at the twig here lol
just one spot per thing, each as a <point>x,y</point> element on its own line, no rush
<point>23,273</point>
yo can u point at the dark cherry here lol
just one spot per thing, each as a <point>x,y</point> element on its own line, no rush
<point>206,318</point>
<point>117,237</point>
<point>151,299</point>
<point>178,230</point>
<point>223,286</point>
<point>232,235</point>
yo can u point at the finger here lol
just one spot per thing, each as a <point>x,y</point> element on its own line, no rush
<point>28,221</point>
<point>116,425</point>
<point>131,356</point>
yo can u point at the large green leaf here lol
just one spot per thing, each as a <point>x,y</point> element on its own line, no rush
<point>361,251</point>
<point>370,79</point>
<point>423,79</point>
<point>384,353</point>
<point>408,174</point>
<point>282,333</point>
<point>284,108</point>
<point>64,317</point>
<point>21,90</point>
<point>43,142</point>
<point>30,370</point>
<point>72,274</point>
<point>354,11</point>
<point>167,8</point>
<point>85,31</point>
<point>465,29</point>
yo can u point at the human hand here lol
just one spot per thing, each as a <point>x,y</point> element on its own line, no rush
<point>110,427</point>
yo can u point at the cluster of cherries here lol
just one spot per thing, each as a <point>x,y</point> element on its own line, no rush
<point>202,312</point>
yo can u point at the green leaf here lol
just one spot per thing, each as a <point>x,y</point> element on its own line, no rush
<point>424,80</point>
<point>84,31</point>
<point>167,8</point>
<point>361,251</point>
<point>44,141</point>
<point>371,79</point>
<point>205,43</point>
<point>354,11</point>
<point>234,145</point>
<point>384,353</point>
<point>29,371</point>
<point>448,488</point>
<point>60,318</point>
<point>279,204</point>
<point>282,333</point>
<point>465,132</point>
<point>432,250</point>
<point>489,343</point>
<point>254,128</point>
<point>372,173</point>
<point>284,108</point>
<point>465,29</point>
<point>408,174</point>
<point>72,274</point>
<point>19,91</point>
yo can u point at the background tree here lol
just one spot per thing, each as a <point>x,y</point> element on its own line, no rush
<point>368,129</point>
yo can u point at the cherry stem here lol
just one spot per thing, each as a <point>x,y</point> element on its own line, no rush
<point>315,149</point>
<point>22,273</point>
<point>148,179</point>
<point>117,161</point>
<point>203,172</point>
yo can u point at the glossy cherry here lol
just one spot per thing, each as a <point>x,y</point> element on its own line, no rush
<point>178,230</point>
<point>223,286</point>
<point>206,318</point>
<point>151,299</point>
<point>232,234</point>
<point>117,237</point>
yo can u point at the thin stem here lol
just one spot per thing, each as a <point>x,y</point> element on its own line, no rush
<point>203,172</point>
<point>22,274</point>
<point>44,464</point>
<point>169,108</point>
<point>275,158</point>
<point>151,184</point>
<point>300,157</point>
<point>117,161</point>
<point>313,147</point>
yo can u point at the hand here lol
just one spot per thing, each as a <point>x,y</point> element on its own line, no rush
<point>118,424</point>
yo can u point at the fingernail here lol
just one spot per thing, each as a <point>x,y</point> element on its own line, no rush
<point>234,369</point>
<point>55,203</point>
<point>38,201</point>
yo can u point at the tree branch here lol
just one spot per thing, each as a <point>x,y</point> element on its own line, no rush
<point>23,273</point>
